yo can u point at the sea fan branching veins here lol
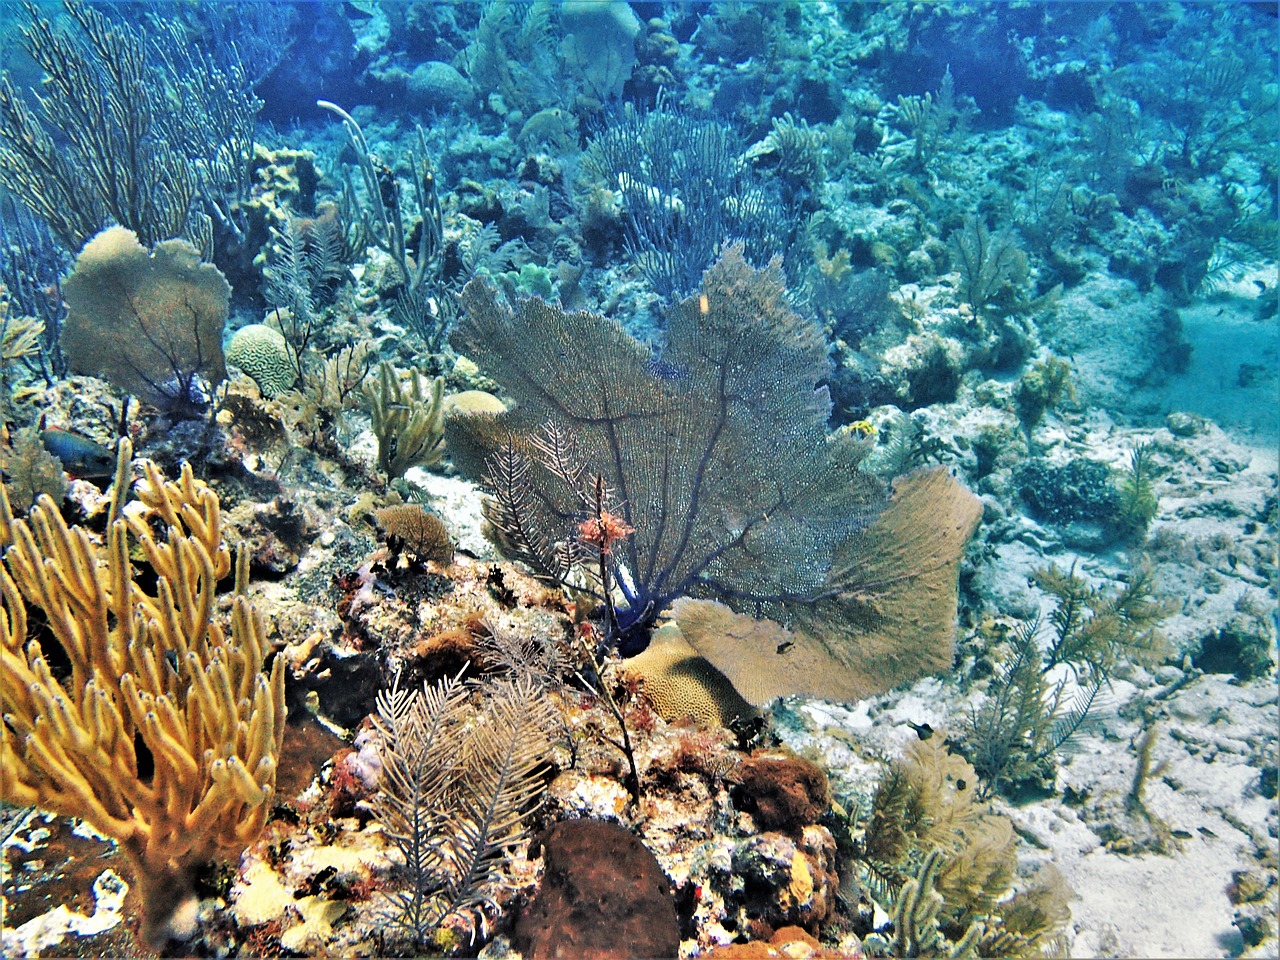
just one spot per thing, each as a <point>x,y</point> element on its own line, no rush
<point>716,451</point>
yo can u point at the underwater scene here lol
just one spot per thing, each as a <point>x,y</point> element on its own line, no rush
<point>650,479</point>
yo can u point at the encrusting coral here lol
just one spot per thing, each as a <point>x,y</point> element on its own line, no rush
<point>161,730</point>
<point>682,685</point>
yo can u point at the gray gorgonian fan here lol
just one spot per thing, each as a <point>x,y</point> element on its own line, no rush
<point>717,457</point>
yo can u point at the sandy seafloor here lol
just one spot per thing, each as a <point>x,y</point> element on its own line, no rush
<point>1214,735</point>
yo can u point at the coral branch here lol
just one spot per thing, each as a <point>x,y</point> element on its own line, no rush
<point>155,680</point>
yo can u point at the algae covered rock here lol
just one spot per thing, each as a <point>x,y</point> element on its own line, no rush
<point>603,895</point>
<point>781,791</point>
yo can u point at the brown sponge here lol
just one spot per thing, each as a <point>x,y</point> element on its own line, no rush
<point>603,897</point>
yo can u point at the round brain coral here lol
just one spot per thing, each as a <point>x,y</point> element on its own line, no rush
<point>262,353</point>
<point>682,685</point>
<point>421,533</point>
<point>466,402</point>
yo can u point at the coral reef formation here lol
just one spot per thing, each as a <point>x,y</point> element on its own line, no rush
<point>630,381</point>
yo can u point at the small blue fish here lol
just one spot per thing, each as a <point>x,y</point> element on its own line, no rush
<point>81,457</point>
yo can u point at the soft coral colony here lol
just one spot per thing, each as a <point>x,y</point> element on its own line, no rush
<point>142,676</point>
<point>295,687</point>
<point>729,487</point>
<point>704,485</point>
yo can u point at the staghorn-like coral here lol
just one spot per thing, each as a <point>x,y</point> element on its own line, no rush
<point>163,730</point>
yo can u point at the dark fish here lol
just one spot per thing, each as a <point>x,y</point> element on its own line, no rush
<point>923,730</point>
<point>80,456</point>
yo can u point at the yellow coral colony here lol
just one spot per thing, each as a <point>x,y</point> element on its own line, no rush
<point>154,722</point>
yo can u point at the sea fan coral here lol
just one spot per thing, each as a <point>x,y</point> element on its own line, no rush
<point>718,457</point>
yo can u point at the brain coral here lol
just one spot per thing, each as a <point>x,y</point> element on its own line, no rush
<point>466,402</point>
<point>418,531</point>
<point>682,685</point>
<point>262,353</point>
